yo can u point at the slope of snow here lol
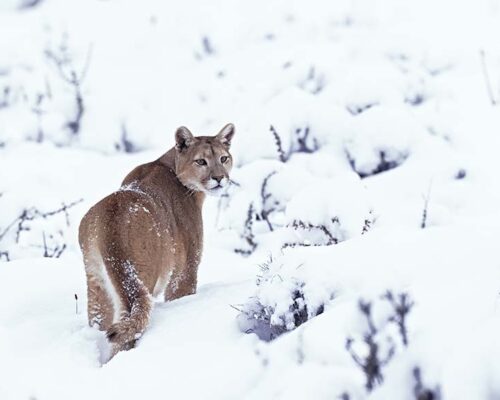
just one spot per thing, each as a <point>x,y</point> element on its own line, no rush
<point>48,351</point>
<point>452,329</point>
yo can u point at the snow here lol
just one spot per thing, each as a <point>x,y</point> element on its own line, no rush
<point>357,124</point>
<point>53,348</point>
<point>419,263</point>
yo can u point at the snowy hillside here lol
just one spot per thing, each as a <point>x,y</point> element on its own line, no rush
<point>355,255</point>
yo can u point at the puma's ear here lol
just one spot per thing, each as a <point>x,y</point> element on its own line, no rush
<point>226,135</point>
<point>183,138</point>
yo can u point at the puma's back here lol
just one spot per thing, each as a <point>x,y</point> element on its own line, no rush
<point>145,239</point>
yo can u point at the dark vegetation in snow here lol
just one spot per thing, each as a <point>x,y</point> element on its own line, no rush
<point>207,49</point>
<point>373,363</point>
<point>248,234</point>
<point>268,205</point>
<point>314,81</point>
<point>5,97</point>
<point>52,244</point>
<point>324,234</point>
<point>487,80</point>
<point>329,236</point>
<point>356,109</point>
<point>415,99</point>
<point>461,174</point>
<point>368,223</point>
<point>125,144</point>
<point>402,305</point>
<point>73,77</point>
<point>26,4</point>
<point>420,391</point>
<point>301,142</point>
<point>265,214</point>
<point>4,255</point>
<point>425,210</point>
<point>279,145</point>
<point>385,163</point>
<point>260,318</point>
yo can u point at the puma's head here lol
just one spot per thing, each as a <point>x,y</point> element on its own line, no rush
<point>203,163</point>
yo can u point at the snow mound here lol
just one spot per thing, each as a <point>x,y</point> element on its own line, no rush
<point>392,316</point>
<point>339,207</point>
<point>382,139</point>
<point>283,204</point>
<point>282,301</point>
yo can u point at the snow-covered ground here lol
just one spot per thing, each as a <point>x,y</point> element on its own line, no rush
<point>355,256</point>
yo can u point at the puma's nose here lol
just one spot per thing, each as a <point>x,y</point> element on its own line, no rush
<point>218,178</point>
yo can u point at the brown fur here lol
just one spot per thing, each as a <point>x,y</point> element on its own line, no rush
<point>146,239</point>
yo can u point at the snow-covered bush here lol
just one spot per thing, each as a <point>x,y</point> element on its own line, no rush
<point>337,209</point>
<point>382,139</point>
<point>301,142</point>
<point>36,232</point>
<point>46,101</point>
<point>282,302</point>
<point>293,207</point>
<point>372,317</point>
<point>373,361</point>
<point>291,123</point>
<point>41,202</point>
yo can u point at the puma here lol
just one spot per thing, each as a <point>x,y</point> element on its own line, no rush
<point>145,240</point>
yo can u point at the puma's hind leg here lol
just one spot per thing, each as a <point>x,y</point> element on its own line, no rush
<point>101,309</point>
<point>182,284</point>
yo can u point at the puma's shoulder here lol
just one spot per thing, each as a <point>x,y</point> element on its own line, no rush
<point>141,172</point>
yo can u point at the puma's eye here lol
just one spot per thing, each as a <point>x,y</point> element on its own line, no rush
<point>223,159</point>
<point>201,161</point>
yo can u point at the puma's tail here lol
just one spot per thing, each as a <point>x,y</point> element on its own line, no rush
<point>135,318</point>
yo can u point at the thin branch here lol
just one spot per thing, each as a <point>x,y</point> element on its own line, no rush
<point>207,45</point>
<point>423,223</point>
<point>5,100</point>
<point>86,65</point>
<point>368,223</point>
<point>52,252</point>
<point>4,255</point>
<point>486,75</point>
<point>45,250</point>
<point>30,214</point>
<point>303,147</point>
<point>420,391</point>
<point>331,239</point>
<point>372,364</point>
<point>265,196</point>
<point>248,234</point>
<point>68,73</point>
<point>402,305</point>
<point>279,146</point>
